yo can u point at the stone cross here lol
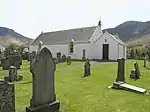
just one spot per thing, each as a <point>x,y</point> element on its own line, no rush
<point>43,93</point>
<point>120,74</point>
<point>87,68</point>
<point>7,97</point>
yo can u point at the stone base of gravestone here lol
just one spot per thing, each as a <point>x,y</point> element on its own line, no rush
<point>18,78</point>
<point>116,85</point>
<point>52,107</point>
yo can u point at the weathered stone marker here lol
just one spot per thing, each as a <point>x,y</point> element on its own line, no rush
<point>87,69</point>
<point>43,93</point>
<point>68,60</point>
<point>63,58</point>
<point>120,74</point>
<point>13,75</point>
<point>137,70</point>
<point>58,57</point>
<point>145,62</point>
<point>7,97</point>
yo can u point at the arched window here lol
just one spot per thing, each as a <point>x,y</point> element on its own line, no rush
<point>71,47</point>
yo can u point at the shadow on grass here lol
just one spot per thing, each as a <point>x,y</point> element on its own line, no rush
<point>26,82</point>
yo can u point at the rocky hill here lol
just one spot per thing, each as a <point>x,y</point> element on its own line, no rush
<point>132,31</point>
<point>8,36</point>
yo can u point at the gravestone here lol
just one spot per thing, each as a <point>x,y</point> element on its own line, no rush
<point>13,75</point>
<point>63,58</point>
<point>7,97</point>
<point>120,81</point>
<point>133,74</point>
<point>87,69</point>
<point>32,56</point>
<point>6,63</point>
<point>137,70</point>
<point>58,57</point>
<point>120,73</point>
<point>43,91</point>
<point>145,62</point>
<point>68,60</point>
<point>57,60</point>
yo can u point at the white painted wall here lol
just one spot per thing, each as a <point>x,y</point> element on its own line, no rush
<point>120,51</point>
<point>33,48</point>
<point>64,49</point>
<point>98,47</point>
<point>97,33</point>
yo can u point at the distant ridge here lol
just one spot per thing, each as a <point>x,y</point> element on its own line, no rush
<point>8,36</point>
<point>132,31</point>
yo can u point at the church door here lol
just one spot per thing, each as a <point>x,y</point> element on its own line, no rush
<point>105,51</point>
<point>84,55</point>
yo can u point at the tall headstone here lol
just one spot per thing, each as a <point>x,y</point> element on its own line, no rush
<point>144,62</point>
<point>137,70</point>
<point>120,73</point>
<point>7,97</point>
<point>43,93</point>
<point>87,69</point>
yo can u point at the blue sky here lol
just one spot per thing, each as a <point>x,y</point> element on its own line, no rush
<point>30,17</point>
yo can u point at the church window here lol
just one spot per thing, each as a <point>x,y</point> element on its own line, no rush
<point>71,47</point>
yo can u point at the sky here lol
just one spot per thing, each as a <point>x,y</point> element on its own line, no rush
<point>31,17</point>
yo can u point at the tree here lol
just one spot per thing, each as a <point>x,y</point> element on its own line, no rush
<point>13,48</point>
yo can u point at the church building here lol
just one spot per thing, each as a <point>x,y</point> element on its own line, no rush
<point>82,43</point>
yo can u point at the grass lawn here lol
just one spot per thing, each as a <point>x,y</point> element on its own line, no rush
<point>91,94</point>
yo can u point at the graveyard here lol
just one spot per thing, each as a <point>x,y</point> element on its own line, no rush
<point>87,94</point>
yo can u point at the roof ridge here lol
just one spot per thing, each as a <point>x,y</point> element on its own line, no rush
<point>69,29</point>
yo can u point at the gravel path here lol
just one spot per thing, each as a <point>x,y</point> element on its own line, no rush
<point>81,66</point>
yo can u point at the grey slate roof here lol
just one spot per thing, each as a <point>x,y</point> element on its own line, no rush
<point>57,37</point>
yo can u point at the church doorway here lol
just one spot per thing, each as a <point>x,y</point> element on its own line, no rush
<point>105,51</point>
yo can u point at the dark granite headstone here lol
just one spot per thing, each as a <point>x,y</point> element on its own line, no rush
<point>87,69</point>
<point>137,70</point>
<point>144,62</point>
<point>43,91</point>
<point>120,73</point>
<point>7,97</point>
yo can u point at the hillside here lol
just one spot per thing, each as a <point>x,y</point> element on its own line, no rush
<point>8,36</point>
<point>132,31</point>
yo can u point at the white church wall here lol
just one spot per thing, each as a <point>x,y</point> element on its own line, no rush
<point>33,48</point>
<point>121,51</point>
<point>98,47</point>
<point>64,49</point>
<point>97,33</point>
